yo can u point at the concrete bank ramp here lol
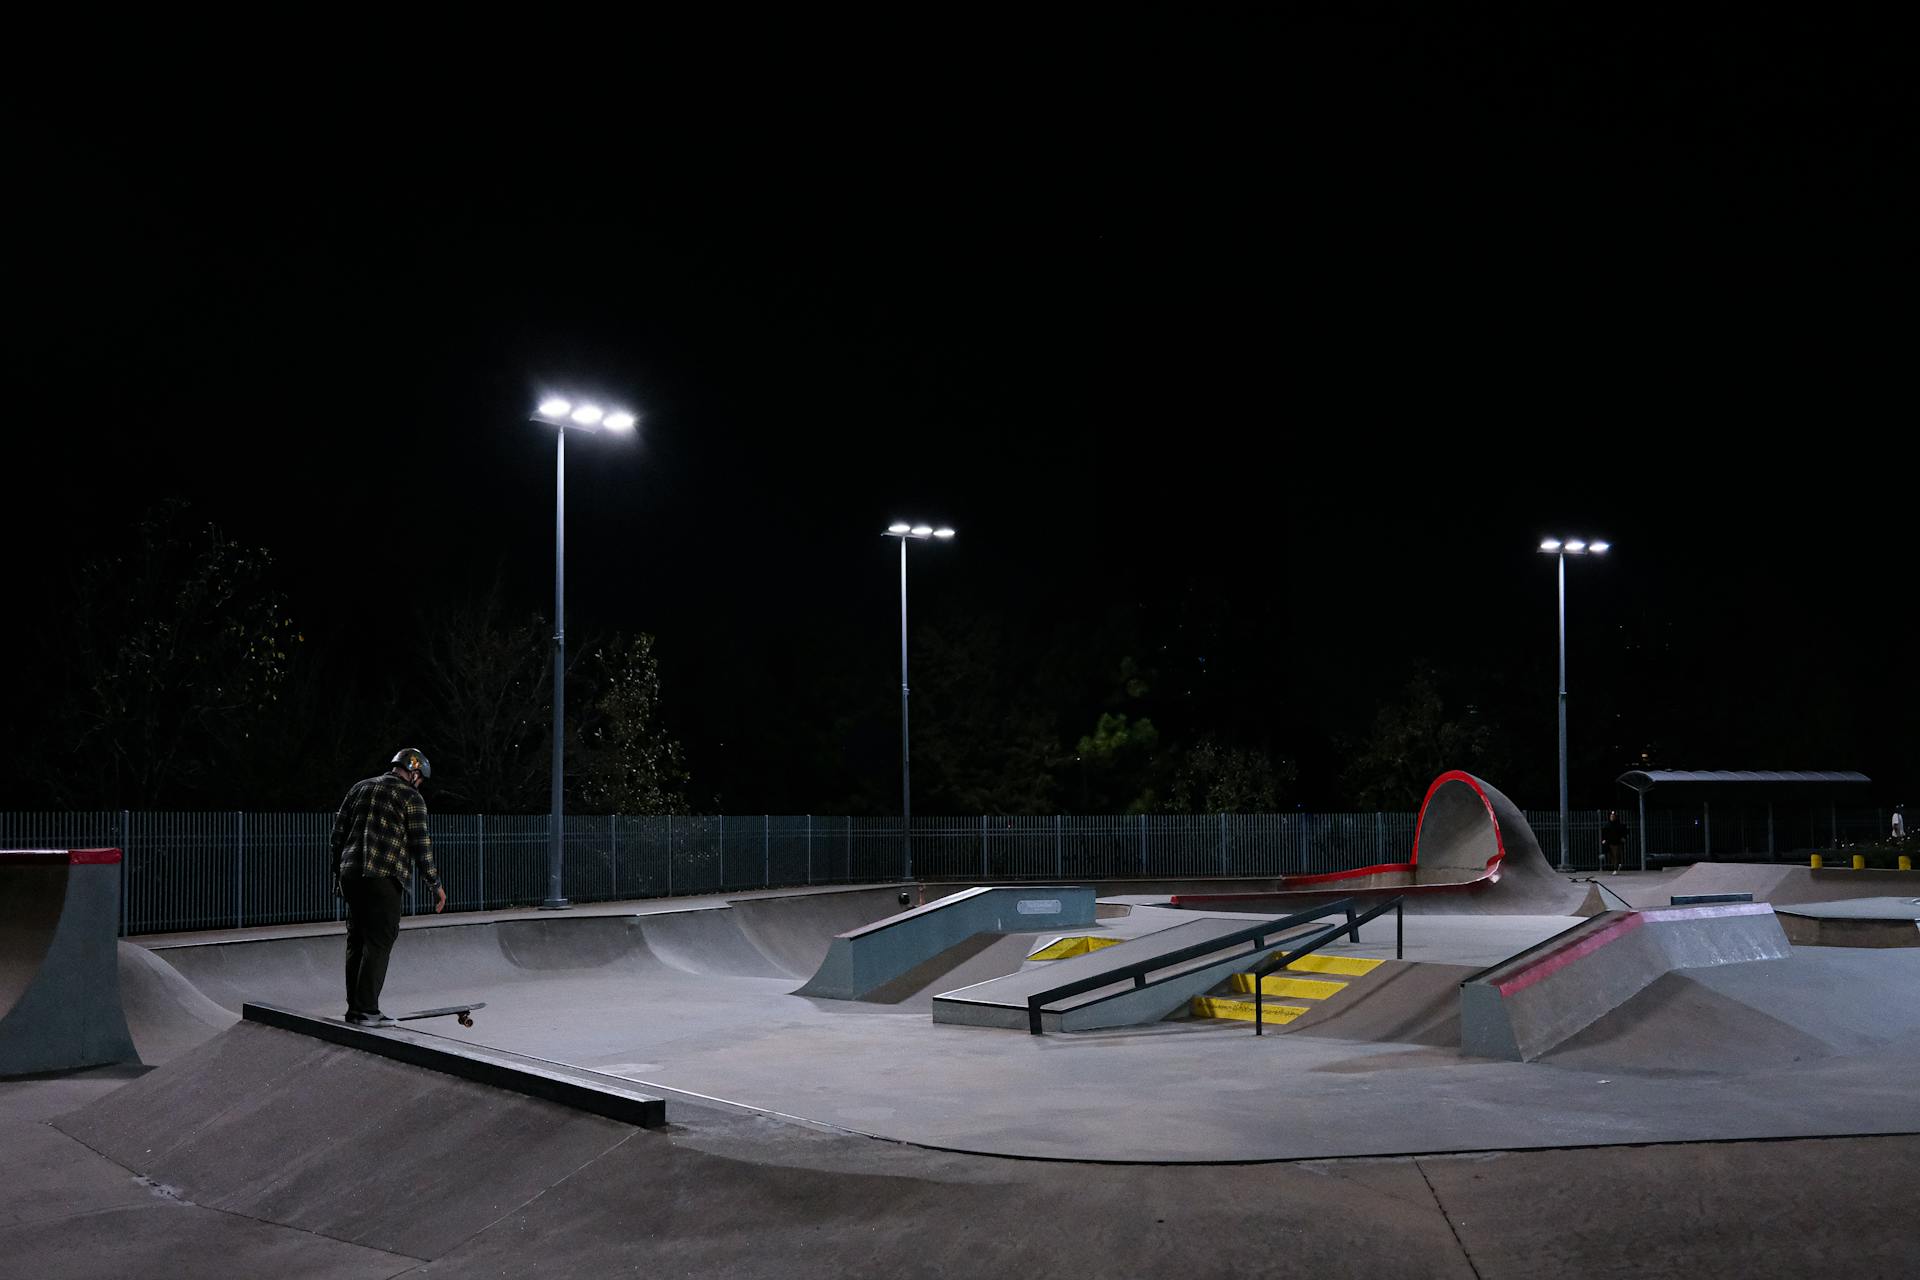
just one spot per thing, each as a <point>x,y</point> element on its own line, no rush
<point>869,958</point>
<point>1537,1000</point>
<point>274,1125</point>
<point>1785,885</point>
<point>166,1014</point>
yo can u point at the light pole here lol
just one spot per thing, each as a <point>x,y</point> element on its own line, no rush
<point>904,531</point>
<point>557,411</point>
<point>1560,549</point>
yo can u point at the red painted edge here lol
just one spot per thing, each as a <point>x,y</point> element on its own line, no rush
<point>1552,962</point>
<point>1457,775</point>
<point>60,857</point>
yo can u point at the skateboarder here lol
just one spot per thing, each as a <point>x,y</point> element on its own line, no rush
<point>1613,842</point>
<point>379,837</point>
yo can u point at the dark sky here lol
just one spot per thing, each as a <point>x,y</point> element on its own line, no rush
<point>1326,338</point>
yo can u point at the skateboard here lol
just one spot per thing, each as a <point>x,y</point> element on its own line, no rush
<point>464,1012</point>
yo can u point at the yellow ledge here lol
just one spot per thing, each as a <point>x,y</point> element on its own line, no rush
<point>1298,988</point>
<point>1061,948</point>
<point>1352,966</point>
<point>1242,1010</point>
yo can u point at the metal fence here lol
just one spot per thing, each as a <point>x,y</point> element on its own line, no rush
<point>211,870</point>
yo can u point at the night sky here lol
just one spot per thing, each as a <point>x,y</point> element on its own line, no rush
<point>1295,359</point>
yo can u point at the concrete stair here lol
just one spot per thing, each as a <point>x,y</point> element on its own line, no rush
<point>1313,979</point>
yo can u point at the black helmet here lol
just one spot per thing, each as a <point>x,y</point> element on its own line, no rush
<point>410,758</point>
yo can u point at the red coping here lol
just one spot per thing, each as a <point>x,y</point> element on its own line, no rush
<point>1387,868</point>
<point>59,857</point>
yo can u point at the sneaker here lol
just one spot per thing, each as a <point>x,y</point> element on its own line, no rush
<point>374,1019</point>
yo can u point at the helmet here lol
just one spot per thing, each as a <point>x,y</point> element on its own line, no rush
<point>410,758</point>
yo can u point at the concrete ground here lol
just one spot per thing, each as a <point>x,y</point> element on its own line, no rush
<point>729,1193</point>
<point>826,1137</point>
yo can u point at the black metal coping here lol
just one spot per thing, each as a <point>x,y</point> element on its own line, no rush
<point>1694,899</point>
<point>577,1088</point>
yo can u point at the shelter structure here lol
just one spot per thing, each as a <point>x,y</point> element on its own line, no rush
<point>1808,790</point>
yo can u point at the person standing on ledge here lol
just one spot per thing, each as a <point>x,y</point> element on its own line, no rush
<point>379,838</point>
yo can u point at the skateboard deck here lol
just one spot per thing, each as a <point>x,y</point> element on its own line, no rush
<point>464,1012</point>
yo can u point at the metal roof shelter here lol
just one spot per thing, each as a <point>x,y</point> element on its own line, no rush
<point>1642,781</point>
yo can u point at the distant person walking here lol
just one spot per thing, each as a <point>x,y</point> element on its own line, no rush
<point>379,838</point>
<point>1899,822</point>
<point>1613,842</point>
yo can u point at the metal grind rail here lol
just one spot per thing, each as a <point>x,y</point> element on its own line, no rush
<point>1351,928</point>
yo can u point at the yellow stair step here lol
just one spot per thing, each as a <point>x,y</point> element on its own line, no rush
<point>1297,988</point>
<point>1352,966</point>
<point>1061,948</point>
<point>1242,1010</point>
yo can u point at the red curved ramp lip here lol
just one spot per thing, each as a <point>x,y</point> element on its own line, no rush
<point>1291,886</point>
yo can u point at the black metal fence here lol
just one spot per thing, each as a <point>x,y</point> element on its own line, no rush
<point>210,870</point>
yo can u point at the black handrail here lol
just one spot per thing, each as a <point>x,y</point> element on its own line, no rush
<point>1541,945</point>
<point>1255,933</point>
<point>1280,959</point>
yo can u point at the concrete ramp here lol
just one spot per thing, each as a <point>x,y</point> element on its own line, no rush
<point>1473,851</point>
<point>166,1014</point>
<point>867,959</point>
<point>284,1128</point>
<point>1785,884</point>
<point>59,971</point>
<point>1528,1005</point>
<point>447,961</point>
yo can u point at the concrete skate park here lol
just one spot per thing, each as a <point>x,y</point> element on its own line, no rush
<point>1466,1063</point>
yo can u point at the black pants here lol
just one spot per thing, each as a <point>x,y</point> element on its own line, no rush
<point>373,922</point>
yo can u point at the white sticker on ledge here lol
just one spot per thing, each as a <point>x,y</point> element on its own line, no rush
<point>1040,906</point>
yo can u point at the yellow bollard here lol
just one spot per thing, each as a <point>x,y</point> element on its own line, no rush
<point>1906,862</point>
<point>1818,862</point>
<point>1859,862</point>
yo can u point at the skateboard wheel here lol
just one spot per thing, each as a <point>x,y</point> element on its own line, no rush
<point>466,1020</point>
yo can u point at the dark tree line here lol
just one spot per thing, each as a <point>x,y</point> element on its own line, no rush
<point>178,676</point>
<point>181,676</point>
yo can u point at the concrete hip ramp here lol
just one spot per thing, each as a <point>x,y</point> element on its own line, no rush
<point>59,969</point>
<point>1537,1000</point>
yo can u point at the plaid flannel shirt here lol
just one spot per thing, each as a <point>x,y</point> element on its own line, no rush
<point>381,830</point>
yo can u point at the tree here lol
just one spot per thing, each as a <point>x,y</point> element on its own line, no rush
<point>627,761</point>
<point>488,719</point>
<point>1416,739</point>
<point>983,741</point>
<point>1121,755</point>
<point>177,655</point>
<point>1213,777</point>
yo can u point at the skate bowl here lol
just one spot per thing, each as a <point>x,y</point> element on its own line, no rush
<point>1473,850</point>
<point>59,968</point>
